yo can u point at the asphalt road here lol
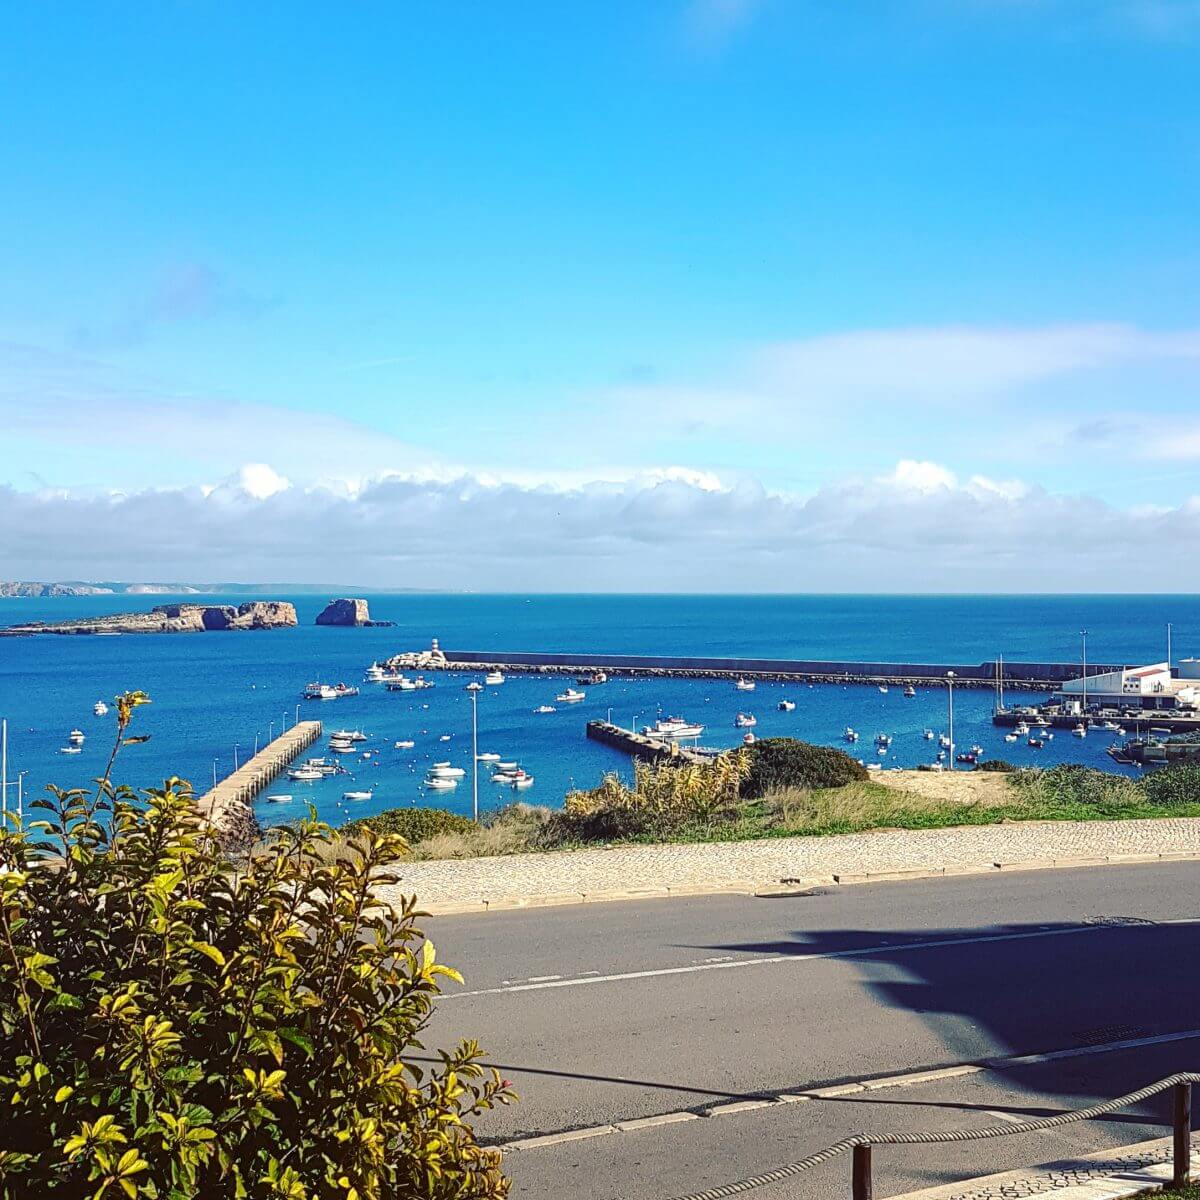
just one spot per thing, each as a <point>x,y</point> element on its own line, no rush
<point>613,1012</point>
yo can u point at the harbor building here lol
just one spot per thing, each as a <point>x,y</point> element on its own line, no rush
<point>1156,687</point>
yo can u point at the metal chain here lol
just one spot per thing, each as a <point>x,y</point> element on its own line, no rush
<point>924,1139</point>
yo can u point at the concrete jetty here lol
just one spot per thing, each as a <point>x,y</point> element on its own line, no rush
<point>228,806</point>
<point>639,745</point>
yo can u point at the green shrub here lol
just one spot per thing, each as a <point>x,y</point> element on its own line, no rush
<point>777,763</point>
<point>994,764</point>
<point>1177,784</point>
<point>1071,783</point>
<point>173,1026</point>
<point>412,824</point>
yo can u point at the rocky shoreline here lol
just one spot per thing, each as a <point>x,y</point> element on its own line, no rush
<point>169,618</point>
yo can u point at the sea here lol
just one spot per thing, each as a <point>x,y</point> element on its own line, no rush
<point>217,696</point>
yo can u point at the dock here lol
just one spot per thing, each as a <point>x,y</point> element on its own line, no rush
<point>639,745</point>
<point>228,805</point>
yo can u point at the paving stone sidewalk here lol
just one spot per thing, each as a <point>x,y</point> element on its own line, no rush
<point>659,870</point>
<point>1107,1176</point>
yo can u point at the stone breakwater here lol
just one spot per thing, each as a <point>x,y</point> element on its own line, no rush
<point>171,618</point>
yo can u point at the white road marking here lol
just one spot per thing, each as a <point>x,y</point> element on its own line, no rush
<point>864,1086</point>
<point>795,959</point>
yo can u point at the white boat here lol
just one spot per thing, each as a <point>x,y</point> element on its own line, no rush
<point>1080,730</point>
<point>944,741</point>
<point>1011,737</point>
<point>340,746</point>
<point>787,706</point>
<point>421,682</point>
<point>873,766</point>
<point>506,766</point>
<point>438,783</point>
<point>928,735</point>
<point>304,774</point>
<point>745,685</point>
<point>883,688</point>
<point>570,696</point>
<point>320,691</point>
<point>444,738</point>
<point>280,798</point>
<point>850,735</point>
<point>375,673</point>
<point>405,744</point>
<point>883,739</point>
<point>75,737</point>
<point>446,772</point>
<point>488,757</point>
<point>1021,728</point>
<point>100,708</point>
<point>748,739</point>
<point>348,735</point>
<point>910,692</point>
<point>522,782</point>
<point>357,795</point>
<point>70,749</point>
<point>545,708</point>
<point>1111,726</point>
<point>673,729</point>
<point>474,686</point>
<point>745,720</point>
<point>494,678</point>
<point>401,685</point>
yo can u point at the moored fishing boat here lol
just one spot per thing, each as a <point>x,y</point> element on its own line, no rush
<point>100,708</point>
<point>570,696</point>
<point>745,720</point>
<point>787,706</point>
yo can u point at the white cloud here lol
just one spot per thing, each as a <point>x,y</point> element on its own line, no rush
<point>915,528</point>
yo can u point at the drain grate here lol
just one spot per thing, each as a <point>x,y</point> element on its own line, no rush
<point>1103,1034</point>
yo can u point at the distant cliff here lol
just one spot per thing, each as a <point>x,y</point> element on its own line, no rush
<point>348,612</point>
<point>10,589</point>
<point>171,618</point>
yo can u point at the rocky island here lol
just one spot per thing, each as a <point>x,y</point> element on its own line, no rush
<point>170,618</point>
<point>349,612</point>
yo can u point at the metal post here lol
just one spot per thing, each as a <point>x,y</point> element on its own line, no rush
<point>1183,1135</point>
<point>861,1174</point>
<point>4,768</point>
<point>235,757</point>
<point>21,796</point>
<point>950,714</point>
<point>475,756</point>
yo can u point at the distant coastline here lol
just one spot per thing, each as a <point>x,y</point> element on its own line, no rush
<point>25,589</point>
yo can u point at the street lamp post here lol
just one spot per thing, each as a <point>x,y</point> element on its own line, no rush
<point>1083,636</point>
<point>270,731</point>
<point>214,772</point>
<point>950,713</point>
<point>236,748</point>
<point>475,755</point>
<point>21,796</point>
<point>297,714</point>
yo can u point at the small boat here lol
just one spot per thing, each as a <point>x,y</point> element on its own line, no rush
<point>375,673</point>
<point>488,757</point>
<point>1079,731</point>
<point>75,737</point>
<point>421,682</point>
<point>1021,728</point>
<point>883,739</point>
<point>883,687</point>
<point>439,783</point>
<point>909,692</point>
<point>745,720</point>
<point>944,741</point>
<point>1011,737</point>
<point>1041,722</point>
<point>595,679</point>
<point>494,678</point>
<point>357,795</point>
<point>474,686</point>
<point>319,691</point>
<point>873,766</point>
<point>280,798</point>
<point>304,774</point>
<point>545,708</point>
<point>506,766</point>
<point>344,689</point>
<point>673,729</point>
<point>1036,743</point>
<point>787,706</point>
<point>1111,726</point>
<point>445,737</point>
<point>70,749</point>
<point>100,708</point>
<point>967,758</point>
<point>745,685</point>
<point>928,735</point>
<point>445,771</point>
<point>348,735</point>
<point>977,750</point>
<point>748,739</point>
<point>522,782</point>
<point>570,696</point>
<point>850,735</point>
<point>405,745</point>
<point>401,685</point>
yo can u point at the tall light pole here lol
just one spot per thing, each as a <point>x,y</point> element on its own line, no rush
<point>1168,647</point>
<point>21,796</point>
<point>4,769</point>
<point>270,731</point>
<point>236,746</point>
<point>214,772</point>
<point>1083,636</point>
<point>297,714</point>
<point>475,755</point>
<point>950,713</point>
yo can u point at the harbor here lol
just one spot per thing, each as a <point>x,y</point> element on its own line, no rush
<point>643,745</point>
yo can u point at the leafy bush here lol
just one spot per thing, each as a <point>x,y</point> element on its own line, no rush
<point>1178,784</point>
<point>665,797</point>
<point>412,824</point>
<point>777,763</point>
<point>1071,783</point>
<point>994,764</point>
<point>173,1027</point>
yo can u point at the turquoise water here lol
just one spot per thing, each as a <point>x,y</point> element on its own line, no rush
<point>215,693</point>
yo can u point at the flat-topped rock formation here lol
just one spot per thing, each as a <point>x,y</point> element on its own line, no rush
<point>348,612</point>
<point>171,618</point>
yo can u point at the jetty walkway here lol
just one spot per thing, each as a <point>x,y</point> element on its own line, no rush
<point>639,745</point>
<point>227,806</point>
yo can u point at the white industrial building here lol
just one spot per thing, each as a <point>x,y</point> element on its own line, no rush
<point>1157,686</point>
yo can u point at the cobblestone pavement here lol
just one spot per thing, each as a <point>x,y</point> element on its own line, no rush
<point>1122,1172</point>
<point>464,884</point>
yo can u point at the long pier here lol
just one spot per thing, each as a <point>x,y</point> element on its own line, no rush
<point>639,745</point>
<point>228,805</point>
<point>1045,676</point>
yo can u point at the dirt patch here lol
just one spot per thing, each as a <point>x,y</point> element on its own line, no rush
<point>957,787</point>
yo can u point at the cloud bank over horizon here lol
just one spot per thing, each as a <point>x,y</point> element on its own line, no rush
<point>919,527</point>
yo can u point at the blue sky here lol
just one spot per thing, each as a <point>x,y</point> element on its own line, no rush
<point>726,266</point>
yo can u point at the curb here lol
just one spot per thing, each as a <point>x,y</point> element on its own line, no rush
<point>782,888</point>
